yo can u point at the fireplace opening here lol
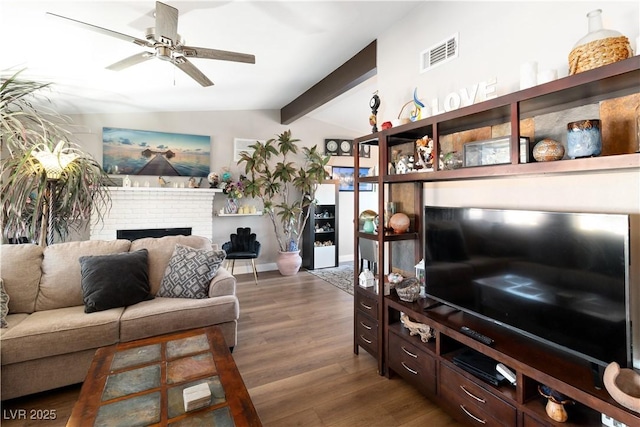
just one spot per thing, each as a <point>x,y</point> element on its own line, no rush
<point>152,232</point>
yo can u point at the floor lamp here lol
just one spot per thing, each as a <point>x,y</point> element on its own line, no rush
<point>54,163</point>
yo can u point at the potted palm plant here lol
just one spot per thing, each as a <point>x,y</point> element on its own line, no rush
<point>286,188</point>
<point>48,184</point>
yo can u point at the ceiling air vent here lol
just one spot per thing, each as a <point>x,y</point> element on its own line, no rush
<point>439,53</point>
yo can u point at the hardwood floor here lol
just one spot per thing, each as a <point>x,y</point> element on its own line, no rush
<point>295,354</point>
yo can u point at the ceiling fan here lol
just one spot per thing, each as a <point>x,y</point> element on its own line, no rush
<point>167,44</point>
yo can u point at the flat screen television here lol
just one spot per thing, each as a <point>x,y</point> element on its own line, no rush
<point>557,277</point>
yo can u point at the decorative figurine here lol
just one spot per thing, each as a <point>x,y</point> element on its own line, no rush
<point>424,148</point>
<point>416,113</point>
<point>373,119</point>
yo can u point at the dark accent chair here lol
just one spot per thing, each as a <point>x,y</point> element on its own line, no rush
<point>243,245</point>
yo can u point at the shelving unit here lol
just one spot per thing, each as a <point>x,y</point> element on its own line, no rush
<point>376,317</point>
<point>320,244</point>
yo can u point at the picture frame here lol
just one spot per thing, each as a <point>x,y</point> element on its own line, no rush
<point>346,178</point>
<point>495,151</point>
<point>331,147</point>
<point>242,144</point>
<point>149,153</point>
<point>345,147</point>
<point>365,151</point>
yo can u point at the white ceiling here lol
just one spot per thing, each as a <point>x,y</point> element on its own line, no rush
<point>296,44</point>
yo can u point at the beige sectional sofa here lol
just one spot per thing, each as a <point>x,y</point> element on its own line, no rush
<point>50,341</point>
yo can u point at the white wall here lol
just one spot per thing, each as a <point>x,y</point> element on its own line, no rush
<point>495,39</point>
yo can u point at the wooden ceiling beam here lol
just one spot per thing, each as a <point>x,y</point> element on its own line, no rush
<point>353,72</point>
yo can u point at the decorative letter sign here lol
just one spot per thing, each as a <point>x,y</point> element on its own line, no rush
<point>478,92</point>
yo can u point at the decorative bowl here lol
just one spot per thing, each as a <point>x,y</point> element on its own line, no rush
<point>548,150</point>
<point>623,385</point>
<point>409,289</point>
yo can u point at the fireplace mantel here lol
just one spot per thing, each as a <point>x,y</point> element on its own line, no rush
<point>157,207</point>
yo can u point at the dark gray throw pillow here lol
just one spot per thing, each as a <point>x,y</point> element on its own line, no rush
<point>190,271</point>
<point>115,280</point>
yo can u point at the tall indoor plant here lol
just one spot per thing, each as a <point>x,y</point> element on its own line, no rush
<point>286,186</point>
<point>31,199</point>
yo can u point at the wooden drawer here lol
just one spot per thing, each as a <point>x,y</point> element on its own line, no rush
<point>473,402</point>
<point>367,333</point>
<point>366,304</point>
<point>412,363</point>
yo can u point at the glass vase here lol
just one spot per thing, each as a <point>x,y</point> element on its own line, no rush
<point>231,206</point>
<point>596,30</point>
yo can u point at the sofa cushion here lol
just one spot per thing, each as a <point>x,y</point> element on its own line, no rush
<point>189,272</point>
<point>61,277</point>
<point>161,250</point>
<point>167,315</point>
<point>59,331</point>
<point>116,280</point>
<point>20,266</point>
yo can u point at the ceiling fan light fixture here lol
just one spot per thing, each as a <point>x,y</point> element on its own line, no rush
<point>163,52</point>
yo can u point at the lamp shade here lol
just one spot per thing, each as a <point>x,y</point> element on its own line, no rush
<point>54,162</point>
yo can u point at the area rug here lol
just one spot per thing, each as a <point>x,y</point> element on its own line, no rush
<point>341,277</point>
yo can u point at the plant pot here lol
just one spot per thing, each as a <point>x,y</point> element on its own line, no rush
<point>289,263</point>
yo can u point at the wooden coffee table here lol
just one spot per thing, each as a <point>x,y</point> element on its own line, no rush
<point>140,383</point>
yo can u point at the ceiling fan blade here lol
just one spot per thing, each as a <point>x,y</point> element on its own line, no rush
<point>104,31</point>
<point>132,60</point>
<point>166,24</point>
<point>223,55</point>
<point>186,66</point>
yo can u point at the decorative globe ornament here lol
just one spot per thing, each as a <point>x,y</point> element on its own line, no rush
<point>213,179</point>
<point>548,150</point>
<point>399,222</point>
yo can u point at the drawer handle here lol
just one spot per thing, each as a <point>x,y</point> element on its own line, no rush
<point>365,340</point>
<point>409,369</point>
<point>368,307</point>
<point>365,325</point>
<point>479,399</point>
<point>472,416</point>
<point>415,356</point>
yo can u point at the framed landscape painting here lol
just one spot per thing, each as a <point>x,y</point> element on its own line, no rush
<point>142,152</point>
<point>345,177</point>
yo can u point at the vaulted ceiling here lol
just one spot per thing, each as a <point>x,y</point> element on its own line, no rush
<point>296,44</point>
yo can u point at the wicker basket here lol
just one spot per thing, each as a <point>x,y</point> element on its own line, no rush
<point>598,53</point>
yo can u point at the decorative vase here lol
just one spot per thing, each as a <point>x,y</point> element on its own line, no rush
<point>389,211</point>
<point>555,404</point>
<point>548,150</point>
<point>231,207</point>
<point>583,139</point>
<point>598,47</point>
<point>289,262</point>
<point>369,226</point>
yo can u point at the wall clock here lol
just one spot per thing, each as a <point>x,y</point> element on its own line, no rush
<point>346,147</point>
<point>330,147</point>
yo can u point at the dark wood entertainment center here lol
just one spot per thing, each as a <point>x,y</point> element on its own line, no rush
<point>429,366</point>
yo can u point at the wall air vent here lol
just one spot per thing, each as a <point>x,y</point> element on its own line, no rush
<point>439,53</point>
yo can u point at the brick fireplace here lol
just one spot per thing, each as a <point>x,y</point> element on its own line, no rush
<point>135,208</point>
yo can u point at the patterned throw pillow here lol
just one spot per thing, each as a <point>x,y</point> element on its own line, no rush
<point>189,272</point>
<point>4,305</point>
